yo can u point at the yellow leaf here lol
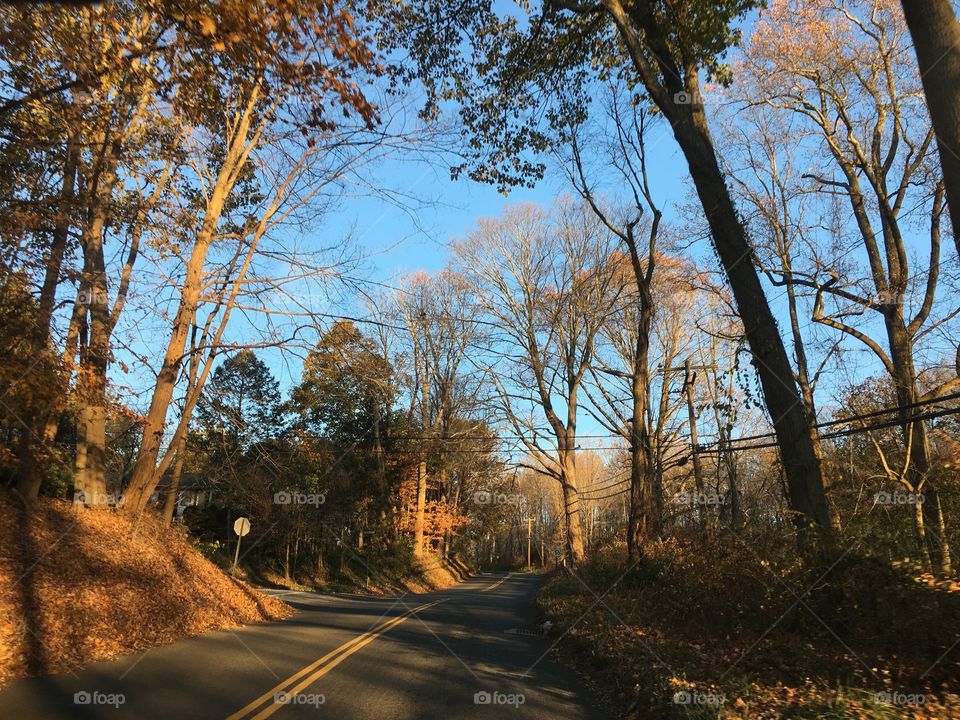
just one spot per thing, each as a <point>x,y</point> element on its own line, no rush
<point>207,24</point>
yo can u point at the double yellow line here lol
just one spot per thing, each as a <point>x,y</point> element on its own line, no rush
<point>496,584</point>
<point>302,679</point>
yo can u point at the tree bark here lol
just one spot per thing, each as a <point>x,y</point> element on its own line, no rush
<point>170,497</point>
<point>92,377</point>
<point>936,549</point>
<point>420,519</point>
<point>936,39</point>
<point>644,519</point>
<point>571,507</point>
<point>702,513</point>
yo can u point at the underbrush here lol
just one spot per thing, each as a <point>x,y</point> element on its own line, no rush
<point>389,570</point>
<point>384,566</point>
<point>738,627</point>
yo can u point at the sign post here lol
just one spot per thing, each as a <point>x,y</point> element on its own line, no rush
<point>241,527</point>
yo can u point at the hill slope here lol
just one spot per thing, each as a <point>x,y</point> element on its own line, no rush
<point>81,585</point>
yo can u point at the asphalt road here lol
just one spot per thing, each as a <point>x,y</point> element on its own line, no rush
<point>443,655</point>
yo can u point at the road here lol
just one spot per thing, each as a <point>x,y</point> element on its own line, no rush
<point>443,655</point>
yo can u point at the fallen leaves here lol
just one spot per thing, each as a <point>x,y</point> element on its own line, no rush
<point>707,627</point>
<point>82,585</point>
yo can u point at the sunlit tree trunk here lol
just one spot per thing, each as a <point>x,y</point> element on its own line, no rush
<point>420,513</point>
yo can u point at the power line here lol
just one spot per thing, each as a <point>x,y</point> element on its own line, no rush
<point>844,433</point>
<point>831,435</point>
<point>846,420</point>
<point>746,438</point>
<point>851,431</point>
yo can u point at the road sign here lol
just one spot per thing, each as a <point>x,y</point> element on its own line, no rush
<point>241,527</point>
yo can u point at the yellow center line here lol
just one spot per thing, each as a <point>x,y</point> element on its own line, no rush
<point>496,584</point>
<point>345,650</point>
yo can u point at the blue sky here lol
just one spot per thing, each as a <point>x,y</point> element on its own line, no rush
<point>396,244</point>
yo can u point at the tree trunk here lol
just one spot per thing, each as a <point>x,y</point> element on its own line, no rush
<point>93,372</point>
<point>644,520</point>
<point>420,519</point>
<point>571,508</point>
<point>803,368</point>
<point>915,437</point>
<point>700,504</point>
<point>642,524</point>
<point>80,460</point>
<point>922,545</point>
<point>730,464</point>
<point>144,478</point>
<point>378,450</point>
<point>170,498</point>
<point>936,39</point>
<point>936,509</point>
<point>785,405</point>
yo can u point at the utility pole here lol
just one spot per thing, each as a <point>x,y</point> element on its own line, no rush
<point>688,378</point>
<point>529,538</point>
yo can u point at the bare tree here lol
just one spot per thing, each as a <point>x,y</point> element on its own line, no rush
<point>545,281</point>
<point>293,172</point>
<point>856,96</point>
<point>631,329</point>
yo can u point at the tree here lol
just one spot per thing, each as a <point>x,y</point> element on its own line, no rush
<point>346,390</point>
<point>241,403</point>
<point>545,282</point>
<point>344,403</point>
<point>854,92</point>
<point>275,96</point>
<point>437,312</point>
<point>107,145</point>
<point>520,82</point>
<point>638,225</point>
